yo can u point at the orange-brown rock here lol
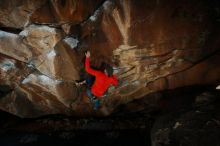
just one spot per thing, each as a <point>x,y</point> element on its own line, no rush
<point>153,45</point>
<point>16,14</point>
<point>65,13</point>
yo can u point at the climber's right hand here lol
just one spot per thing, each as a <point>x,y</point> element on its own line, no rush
<point>87,54</point>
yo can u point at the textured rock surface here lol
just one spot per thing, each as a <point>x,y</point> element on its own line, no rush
<point>16,14</point>
<point>154,46</point>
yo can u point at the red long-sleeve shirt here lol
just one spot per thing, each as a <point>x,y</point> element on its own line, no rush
<point>102,81</point>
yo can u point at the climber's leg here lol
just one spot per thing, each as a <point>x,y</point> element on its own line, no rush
<point>89,81</point>
<point>95,102</point>
<point>89,93</point>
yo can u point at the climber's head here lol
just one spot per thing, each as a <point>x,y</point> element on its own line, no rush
<point>108,70</point>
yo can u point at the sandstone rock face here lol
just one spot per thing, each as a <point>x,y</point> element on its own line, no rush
<point>16,14</point>
<point>153,46</point>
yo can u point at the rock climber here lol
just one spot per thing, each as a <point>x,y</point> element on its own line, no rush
<point>96,88</point>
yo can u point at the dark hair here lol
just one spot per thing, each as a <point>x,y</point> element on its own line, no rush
<point>109,70</point>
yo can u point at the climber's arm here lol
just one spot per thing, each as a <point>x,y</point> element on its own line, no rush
<point>114,81</point>
<point>87,65</point>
